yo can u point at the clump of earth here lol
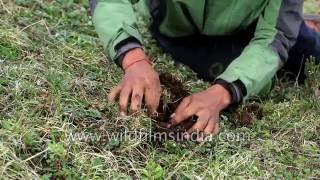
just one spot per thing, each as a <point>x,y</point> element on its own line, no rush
<point>175,94</point>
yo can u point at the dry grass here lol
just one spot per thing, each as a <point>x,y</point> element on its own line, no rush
<point>53,81</point>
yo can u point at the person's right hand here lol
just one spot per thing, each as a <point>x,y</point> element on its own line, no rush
<point>140,82</point>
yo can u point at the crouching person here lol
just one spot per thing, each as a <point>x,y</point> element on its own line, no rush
<point>237,45</point>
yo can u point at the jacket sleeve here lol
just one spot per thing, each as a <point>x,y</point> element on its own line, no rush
<point>115,23</point>
<point>276,33</point>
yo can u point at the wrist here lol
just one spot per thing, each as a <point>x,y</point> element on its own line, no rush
<point>141,62</point>
<point>132,56</point>
<point>236,89</point>
<point>224,95</point>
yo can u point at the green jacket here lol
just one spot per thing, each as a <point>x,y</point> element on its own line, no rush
<point>276,32</point>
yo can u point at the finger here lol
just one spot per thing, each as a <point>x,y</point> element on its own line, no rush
<point>123,100</point>
<point>157,99</point>
<point>114,93</point>
<point>201,137</point>
<point>216,128</point>
<point>213,122</point>
<point>197,129</point>
<point>202,122</point>
<point>136,99</point>
<point>208,130</point>
<point>185,103</point>
<point>152,99</point>
<point>211,125</point>
<point>182,115</point>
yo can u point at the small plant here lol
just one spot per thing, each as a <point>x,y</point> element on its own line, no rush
<point>312,72</point>
<point>153,171</point>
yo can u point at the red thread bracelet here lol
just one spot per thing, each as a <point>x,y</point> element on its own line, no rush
<point>144,59</point>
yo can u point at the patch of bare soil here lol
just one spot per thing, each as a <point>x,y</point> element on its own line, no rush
<point>176,94</point>
<point>242,117</point>
<point>248,114</point>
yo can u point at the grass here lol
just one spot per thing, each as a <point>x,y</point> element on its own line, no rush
<point>53,83</point>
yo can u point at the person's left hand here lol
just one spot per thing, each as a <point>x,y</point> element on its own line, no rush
<point>206,106</point>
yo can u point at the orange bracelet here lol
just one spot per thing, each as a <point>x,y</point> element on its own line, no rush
<point>144,59</point>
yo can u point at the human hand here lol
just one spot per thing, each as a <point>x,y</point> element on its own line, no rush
<point>207,106</point>
<point>140,82</point>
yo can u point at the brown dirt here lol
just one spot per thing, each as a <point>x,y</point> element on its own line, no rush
<point>246,115</point>
<point>176,92</point>
<point>242,117</point>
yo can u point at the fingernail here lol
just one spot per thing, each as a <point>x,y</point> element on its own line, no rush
<point>200,139</point>
<point>155,114</point>
<point>186,136</point>
<point>172,115</point>
<point>122,114</point>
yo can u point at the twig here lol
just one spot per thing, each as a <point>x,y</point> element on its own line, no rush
<point>36,155</point>
<point>42,21</point>
<point>299,73</point>
<point>4,7</point>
